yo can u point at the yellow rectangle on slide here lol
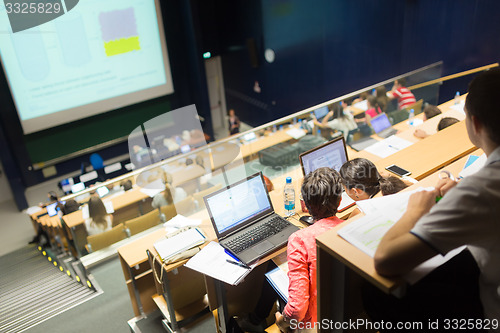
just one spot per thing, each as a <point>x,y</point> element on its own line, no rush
<point>122,45</point>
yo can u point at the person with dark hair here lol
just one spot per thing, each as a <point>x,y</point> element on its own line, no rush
<point>170,195</point>
<point>126,184</point>
<point>321,191</point>
<point>373,110</point>
<point>468,213</point>
<point>99,220</point>
<point>70,206</point>
<point>431,111</point>
<point>382,99</point>
<point>443,123</point>
<point>340,119</point>
<point>362,180</point>
<point>404,96</point>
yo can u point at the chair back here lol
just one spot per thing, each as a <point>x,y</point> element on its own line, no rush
<point>144,222</point>
<point>417,107</point>
<point>198,197</point>
<point>186,206</point>
<point>398,116</point>
<point>168,211</point>
<point>106,238</point>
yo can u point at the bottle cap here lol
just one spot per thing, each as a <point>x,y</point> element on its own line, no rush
<point>288,180</point>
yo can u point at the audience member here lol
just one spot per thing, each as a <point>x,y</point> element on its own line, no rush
<point>341,120</point>
<point>99,220</point>
<point>382,99</point>
<point>170,195</point>
<point>467,214</point>
<point>70,206</point>
<point>443,123</point>
<point>404,96</point>
<point>431,111</point>
<point>321,191</point>
<point>373,110</point>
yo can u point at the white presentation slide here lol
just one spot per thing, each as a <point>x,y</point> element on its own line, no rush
<point>97,57</point>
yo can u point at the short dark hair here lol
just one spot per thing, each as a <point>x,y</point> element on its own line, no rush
<point>482,101</point>
<point>431,111</point>
<point>402,82</point>
<point>363,174</point>
<point>321,191</point>
<point>53,196</point>
<point>445,122</point>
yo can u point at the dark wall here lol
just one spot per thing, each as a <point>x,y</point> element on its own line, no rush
<point>327,48</point>
<point>188,74</point>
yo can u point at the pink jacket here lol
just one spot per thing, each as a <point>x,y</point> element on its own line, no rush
<point>301,255</point>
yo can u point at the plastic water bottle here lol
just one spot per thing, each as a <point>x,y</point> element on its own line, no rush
<point>289,197</point>
<point>411,116</point>
<point>457,98</point>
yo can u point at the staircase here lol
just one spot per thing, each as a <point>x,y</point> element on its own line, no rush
<point>36,285</point>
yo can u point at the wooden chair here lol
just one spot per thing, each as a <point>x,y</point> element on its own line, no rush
<point>106,238</point>
<point>417,106</point>
<point>186,206</point>
<point>143,222</point>
<point>398,116</point>
<point>198,197</point>
<point>168,211</point>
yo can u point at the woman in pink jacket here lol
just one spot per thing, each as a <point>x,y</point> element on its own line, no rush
<point>321,191</point>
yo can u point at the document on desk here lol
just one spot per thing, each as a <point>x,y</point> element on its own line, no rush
<point>389,146</point>
<point>168,247</point>
<point>382,213</point>
<point>153,188</point>
<point>459,107</point>
<point>180,221</point>
<point>279,281</point>
<point>212,261</point>
<point>296,133</point>
<point>473,167</point>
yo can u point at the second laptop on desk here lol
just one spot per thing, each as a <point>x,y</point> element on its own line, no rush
<point>244,220</point>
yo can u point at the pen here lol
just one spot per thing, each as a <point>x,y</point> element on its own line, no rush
<point>396,148</point>
<point>231,255</point>
<point>438,198</point>
<point>237,264</point>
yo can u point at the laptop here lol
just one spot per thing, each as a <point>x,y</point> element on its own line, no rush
<point>244,220</point>
<point>332,154</point>
<point>321,112</point>
<point>52,209</point>
<point>382,126</point>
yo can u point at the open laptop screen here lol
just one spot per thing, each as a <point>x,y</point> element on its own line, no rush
<point>332,154</point>
<point>52,208</point>
<point>234,206</point>
<point>321,112</point>
<point>380,122</point>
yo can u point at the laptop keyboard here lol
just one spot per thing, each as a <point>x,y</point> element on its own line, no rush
<point>255,235</point>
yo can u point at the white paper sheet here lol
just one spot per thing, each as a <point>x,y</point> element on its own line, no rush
<point>296,133</point>
<point>474,167</point>
<point>211,261</point>
<point>459,107</point>
<point>180,221</point>
<point>389,146</point>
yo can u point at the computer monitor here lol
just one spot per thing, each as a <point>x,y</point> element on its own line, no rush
<point>332,154</point>
<point>380,122</point>
<point>321,112</point>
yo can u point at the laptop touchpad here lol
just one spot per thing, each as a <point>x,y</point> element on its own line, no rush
<point>262,247</point>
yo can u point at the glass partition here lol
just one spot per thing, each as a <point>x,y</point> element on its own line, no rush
<point>272,149</point>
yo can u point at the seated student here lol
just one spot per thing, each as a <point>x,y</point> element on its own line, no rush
<point>382,99</point>
<point>468,214</point>
<point>373,110</point>
<point>99,220</point>
<point>70,206</point>
<point>321,191</point>
<point>170,195</point>
<point>342,120</point>
<point>443,123</point>
<point>404,96</point>
<point>431,111</point>
<point>126,184</point>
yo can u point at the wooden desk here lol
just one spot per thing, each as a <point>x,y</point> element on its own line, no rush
<point>334,255</point>
<point>137,271</point>
<point>426,156</point>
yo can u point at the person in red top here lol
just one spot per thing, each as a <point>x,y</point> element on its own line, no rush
<point>321,191</point>
<point>404,95</point>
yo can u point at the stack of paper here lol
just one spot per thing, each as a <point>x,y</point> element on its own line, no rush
<point>168,247</point>
<point>296,133</point>
<point>212,261</point>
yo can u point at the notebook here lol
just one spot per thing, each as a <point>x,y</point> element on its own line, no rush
<point>244,220</point>
<point>168,247</point>
<point>332,154</point>
<point>382,126</point>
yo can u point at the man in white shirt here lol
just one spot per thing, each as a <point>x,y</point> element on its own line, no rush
<point>468,214</point>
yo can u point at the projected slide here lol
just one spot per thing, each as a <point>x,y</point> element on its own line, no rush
<point>98,57</point>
